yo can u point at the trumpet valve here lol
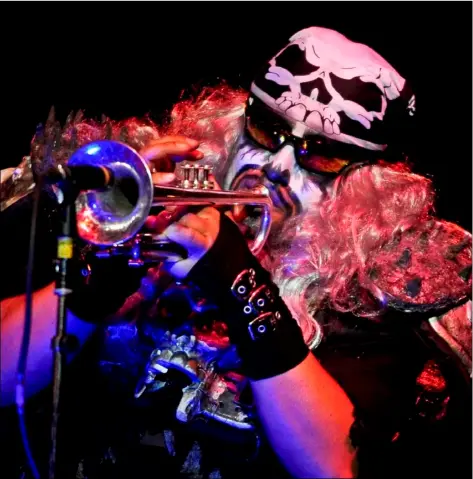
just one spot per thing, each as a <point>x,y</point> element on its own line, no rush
<point>196,177</point>
<point>206,183</point>
<point>186,181</point>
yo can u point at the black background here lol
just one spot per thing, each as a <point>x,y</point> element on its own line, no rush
<point>126,59</point>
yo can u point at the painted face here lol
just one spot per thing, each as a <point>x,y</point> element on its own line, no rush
<point>291,186</point>
<point>319,105</point>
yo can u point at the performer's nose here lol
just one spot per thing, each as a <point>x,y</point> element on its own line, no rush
<point>276,176</point>
<point>279,170</point>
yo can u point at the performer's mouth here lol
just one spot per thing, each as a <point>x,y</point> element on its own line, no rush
<point>285,201</point>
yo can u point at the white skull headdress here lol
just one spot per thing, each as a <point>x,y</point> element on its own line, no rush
<point>337,88</point>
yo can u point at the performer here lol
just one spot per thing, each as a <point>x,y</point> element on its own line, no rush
<point>355,249</point>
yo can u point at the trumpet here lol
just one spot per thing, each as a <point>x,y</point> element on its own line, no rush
<point>113,218</point>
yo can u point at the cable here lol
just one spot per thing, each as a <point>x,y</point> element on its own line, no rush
<point>25,343</point>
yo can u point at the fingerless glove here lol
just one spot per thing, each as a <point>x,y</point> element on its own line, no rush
<point>269,341</point>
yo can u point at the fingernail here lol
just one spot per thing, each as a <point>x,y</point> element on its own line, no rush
<point>172,228</point>
<point>167,176</point>
<point>163,178</point>
<point>192,142</point>
<point>150,222</point>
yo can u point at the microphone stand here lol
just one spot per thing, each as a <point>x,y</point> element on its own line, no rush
<point>61,342</point>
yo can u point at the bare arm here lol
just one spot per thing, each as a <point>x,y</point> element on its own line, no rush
<point>39,367</point>
<point>307,417</point>
<point>306,414</point>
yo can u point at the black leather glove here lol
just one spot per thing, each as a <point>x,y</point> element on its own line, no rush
<point>268,339</point>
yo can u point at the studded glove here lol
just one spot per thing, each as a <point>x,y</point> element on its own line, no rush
<point>268,339</point>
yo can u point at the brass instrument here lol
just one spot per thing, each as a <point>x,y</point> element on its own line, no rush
<point>113,217</point>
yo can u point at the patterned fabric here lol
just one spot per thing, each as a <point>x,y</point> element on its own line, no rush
<point>334,87</point>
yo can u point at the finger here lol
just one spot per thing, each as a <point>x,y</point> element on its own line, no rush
<point>194,155</point>
<point>6,174</point>
<point>157,151</point>
<point>209,213</point>
<point>157,224</point>
<point>189,238</point>
<point>198,222</point>
<point>202,221</point>
<point>157,274</point>
<point>239,213</point>
<point>162,165</point>
<point>153,272</point>
<point>164,158</point>
<point>156,278</point>
<point>179,138</point>
<point>163,178</point>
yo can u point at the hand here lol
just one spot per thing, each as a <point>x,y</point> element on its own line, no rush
<point>163,153</point>
<point>197,234</point>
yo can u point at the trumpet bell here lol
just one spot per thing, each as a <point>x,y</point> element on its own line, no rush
<point>116,214</point>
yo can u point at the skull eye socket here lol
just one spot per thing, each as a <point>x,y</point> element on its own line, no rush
<point>314,153</point>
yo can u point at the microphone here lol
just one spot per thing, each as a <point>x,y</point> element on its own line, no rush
<point>83,177</point>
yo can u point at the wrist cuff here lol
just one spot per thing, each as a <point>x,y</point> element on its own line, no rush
<point>268,339</point>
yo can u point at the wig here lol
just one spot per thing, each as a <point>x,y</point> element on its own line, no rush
<point>374,243</point>
<point>215,118</point>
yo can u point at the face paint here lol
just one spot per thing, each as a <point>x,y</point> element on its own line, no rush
<point>292,189</point>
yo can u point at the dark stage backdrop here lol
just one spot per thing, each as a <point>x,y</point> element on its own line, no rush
<point>126,59</point>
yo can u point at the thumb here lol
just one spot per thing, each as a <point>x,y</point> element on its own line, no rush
<point>189,238</point>
<point>180,269</point>
<point>158,151</point>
